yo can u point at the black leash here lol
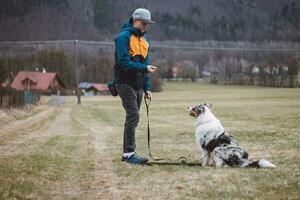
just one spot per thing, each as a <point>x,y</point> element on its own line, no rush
<point>182,159</point>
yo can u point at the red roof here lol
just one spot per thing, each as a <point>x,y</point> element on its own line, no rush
<point>100,87</point>
<point>29,78</point>
<point>39,80</point>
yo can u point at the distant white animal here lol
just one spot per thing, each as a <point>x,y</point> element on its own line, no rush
<point>214,141</point>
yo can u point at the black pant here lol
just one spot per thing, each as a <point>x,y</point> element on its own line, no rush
<point>131,101</point>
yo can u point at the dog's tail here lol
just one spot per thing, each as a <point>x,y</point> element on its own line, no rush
<point>262,163</point>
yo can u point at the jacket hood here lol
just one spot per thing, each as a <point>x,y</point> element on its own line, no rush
<point>129,27</point>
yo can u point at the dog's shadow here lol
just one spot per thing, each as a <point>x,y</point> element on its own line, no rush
<point>187,164</point>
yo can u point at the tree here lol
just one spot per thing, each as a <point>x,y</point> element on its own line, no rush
<point>293,67</point>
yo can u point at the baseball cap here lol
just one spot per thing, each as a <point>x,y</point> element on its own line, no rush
<point>143,14</point>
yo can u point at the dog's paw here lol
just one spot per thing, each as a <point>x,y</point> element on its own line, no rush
<point>211,163</point>
<point>205,164</point>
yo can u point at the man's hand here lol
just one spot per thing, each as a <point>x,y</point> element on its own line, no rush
<point>151,69</point>
<point>148,94</point>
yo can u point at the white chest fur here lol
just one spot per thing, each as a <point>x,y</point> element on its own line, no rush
<point>208,127</point>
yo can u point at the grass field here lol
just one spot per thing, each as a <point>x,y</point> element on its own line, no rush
<point>73,152</point>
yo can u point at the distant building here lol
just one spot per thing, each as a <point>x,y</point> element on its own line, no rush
<point>47,83</point>
<point>206,74</point>
<point>91,89</point>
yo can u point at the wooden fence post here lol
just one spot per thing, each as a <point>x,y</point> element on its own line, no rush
<point>0,96</point>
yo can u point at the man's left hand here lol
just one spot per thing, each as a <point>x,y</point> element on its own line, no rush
<point>148,95</point>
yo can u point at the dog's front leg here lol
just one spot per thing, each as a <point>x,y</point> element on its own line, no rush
<point>211,163</point>
<point>205,157</point>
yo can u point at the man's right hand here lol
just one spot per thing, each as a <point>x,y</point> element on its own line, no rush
<point>151,69</point>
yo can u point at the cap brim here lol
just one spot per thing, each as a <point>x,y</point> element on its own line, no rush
<point>150,22</point>
<point>147,21</point>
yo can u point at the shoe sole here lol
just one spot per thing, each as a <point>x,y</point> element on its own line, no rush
<point>140,163</point>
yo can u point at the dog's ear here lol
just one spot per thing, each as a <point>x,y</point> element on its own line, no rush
<point>201,108</point>
<point>209,105</point>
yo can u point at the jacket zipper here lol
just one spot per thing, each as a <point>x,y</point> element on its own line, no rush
<point>139,73</point>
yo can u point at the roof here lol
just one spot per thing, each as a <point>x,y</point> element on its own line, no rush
<point>100,87</point>
<point>84,85</point>
<point>33,80</point>
<point>206,73</point>
<point>39,80</point>
<point>97,86</point>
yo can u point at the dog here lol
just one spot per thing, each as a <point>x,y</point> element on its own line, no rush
<point>218,147</point>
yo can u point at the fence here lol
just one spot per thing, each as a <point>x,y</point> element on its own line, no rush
<point>10,98</point>
<point>267,80</point>
<point>268,64</point>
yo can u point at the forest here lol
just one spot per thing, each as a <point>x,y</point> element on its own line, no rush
<point>220,20</point>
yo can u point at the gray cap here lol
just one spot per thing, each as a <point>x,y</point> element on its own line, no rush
<point>143,14</point>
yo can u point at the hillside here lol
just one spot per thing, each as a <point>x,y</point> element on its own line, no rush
<point>189,20</point>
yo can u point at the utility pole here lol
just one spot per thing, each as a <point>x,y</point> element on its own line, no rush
<point>76,71</point>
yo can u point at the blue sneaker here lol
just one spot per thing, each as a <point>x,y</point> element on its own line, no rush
<point>135,159</point>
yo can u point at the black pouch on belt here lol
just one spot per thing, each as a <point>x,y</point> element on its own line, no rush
<point>112,88</point>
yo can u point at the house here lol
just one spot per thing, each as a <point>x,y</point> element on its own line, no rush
<point>206,74</point>
<point>42,82</point>
<point>91,89</point>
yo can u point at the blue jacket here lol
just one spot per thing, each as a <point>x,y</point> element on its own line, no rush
<point>131,57</point>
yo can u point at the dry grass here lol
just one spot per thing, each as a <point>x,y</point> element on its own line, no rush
<point>75,153</point>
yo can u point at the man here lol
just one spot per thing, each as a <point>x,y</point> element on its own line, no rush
<point>132,76</point>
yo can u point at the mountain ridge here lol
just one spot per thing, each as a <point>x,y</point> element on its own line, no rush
<point>193,20</point>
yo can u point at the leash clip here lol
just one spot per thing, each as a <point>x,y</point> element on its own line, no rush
<point>183,160</point>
